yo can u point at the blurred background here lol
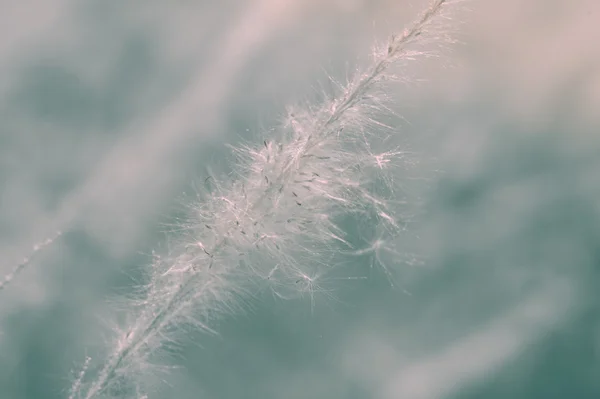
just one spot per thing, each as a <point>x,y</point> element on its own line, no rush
<point>111,111</point>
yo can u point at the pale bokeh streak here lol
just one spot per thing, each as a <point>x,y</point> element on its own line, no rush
<point>142,164</point>
<point>479,354</point>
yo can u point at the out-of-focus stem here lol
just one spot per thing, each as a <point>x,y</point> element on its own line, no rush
<point>27,260</point>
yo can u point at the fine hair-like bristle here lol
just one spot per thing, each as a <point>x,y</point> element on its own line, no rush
<point>278,221</point>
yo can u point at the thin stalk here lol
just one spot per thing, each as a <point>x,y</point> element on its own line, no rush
<point>189,291</point>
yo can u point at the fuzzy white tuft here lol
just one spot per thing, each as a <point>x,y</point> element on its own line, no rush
<point>279,221</point>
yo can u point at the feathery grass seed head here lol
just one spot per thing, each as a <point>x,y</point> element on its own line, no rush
<point>280,221</point>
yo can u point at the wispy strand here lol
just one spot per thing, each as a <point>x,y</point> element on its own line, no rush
<point>27,260</point>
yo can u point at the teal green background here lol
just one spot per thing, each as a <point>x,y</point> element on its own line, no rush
<point>110,113</point>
